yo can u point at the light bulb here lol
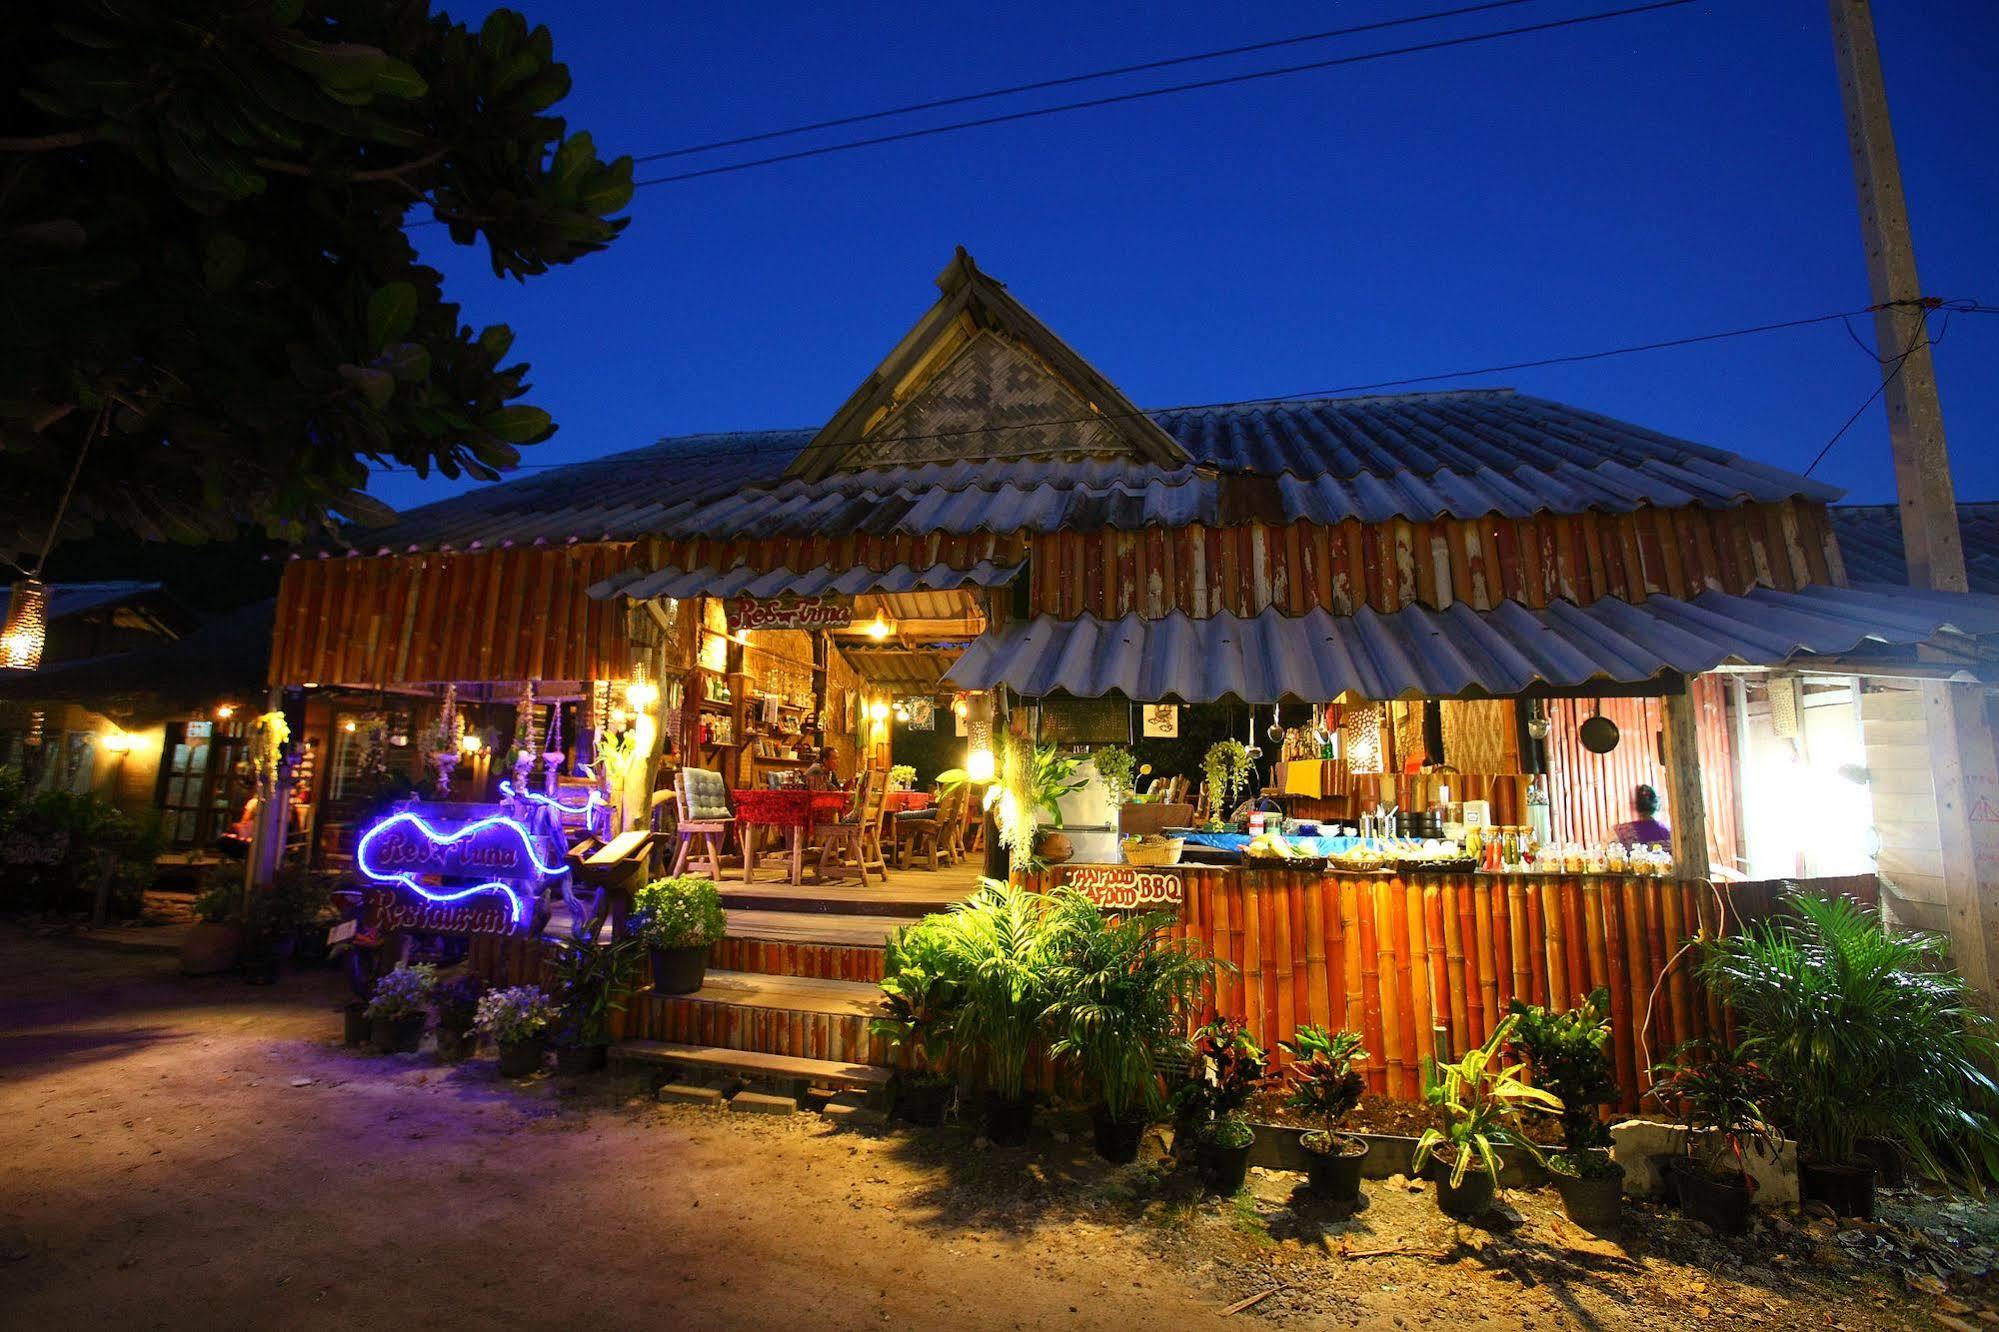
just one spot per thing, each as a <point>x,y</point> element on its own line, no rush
<point>878,627</point>
<point>224,711</point>
<point>878,711</point>
<point>117,742</point>
<point>979,765</point>
<point>471,744</point>
<point>641,694</point>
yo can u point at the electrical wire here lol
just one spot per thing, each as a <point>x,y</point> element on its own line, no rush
<point>1040,85</point>
<point>1275,400</point>
<point>1169,90</point>
<point>1893,365</point>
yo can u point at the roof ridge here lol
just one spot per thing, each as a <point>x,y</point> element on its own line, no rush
<point>1315,400</point>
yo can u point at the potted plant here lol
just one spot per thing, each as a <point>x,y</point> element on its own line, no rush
<point>998,950</point>
<point>517,1019</point>
<point>1720,1096</point>
<point>1867,1034</point>
<point>1227,1068</point>
<point>1326,1086</point>
<point>901,776</point>
<point>1026,802</point>
<point>919,999</point>
<point>590,979</point>
<point>1122,992</point>
<point>400,1008</point>
<point>456,1003</point>
<point>215,942</point>
<point>1480,1102</point>
<point>678,920</point>
<point>1568,1056</point>
<point>1116,768</point>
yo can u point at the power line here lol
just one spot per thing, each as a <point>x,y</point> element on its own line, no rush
<point>1167,91</point>
<point>1040,85</point>
<point>1893,365</point>
<point>1275,400</point>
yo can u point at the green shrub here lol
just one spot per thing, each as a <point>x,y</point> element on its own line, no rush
<point>404,992</point>
<point>684,911</point>
<point>1568,1054</point>
<point>919,994</point>
<point>1325,1082</point>
<point>517,1013</point>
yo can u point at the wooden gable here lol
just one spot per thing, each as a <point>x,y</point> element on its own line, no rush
<point>980,377</point>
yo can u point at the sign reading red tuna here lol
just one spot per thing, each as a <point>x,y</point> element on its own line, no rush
<point>789,613</point>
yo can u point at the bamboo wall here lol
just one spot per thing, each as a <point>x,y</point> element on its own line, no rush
<point>519,614</point>
<point>846,552</point>
<point>1297,567</point>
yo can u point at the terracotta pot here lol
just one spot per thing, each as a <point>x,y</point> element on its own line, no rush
<point>1054,847</point>
<point>210,948</point>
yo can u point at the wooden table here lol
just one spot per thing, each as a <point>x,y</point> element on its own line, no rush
<point>899,801</point>
<point>797,812</point>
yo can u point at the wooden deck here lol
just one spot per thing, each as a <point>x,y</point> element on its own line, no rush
<point>798,994</point>
<point>907,893</point>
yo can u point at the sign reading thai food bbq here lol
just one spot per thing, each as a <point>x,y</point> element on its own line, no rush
<point>1125,887</point>
<point>789,613</point>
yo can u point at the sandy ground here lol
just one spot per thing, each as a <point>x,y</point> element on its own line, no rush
<point>202,1153</point>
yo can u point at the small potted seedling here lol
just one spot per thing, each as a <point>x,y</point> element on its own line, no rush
<point>456,1003</point>
<point>517,1020</point>
<point>1325,1087</point>
<point>1720,1096</point>
<point>678,919</point>
<point>1227,1069</point>
<point>400,1008</point>
<point>1480,1102</point>
<point>1568,1055</point>
<point>590,980</point>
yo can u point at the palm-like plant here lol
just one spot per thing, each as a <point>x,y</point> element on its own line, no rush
<point>1866,1033</point>
<point>1121,993</point>
<point>919,995</point>
<point>998,950</point>
<point>1480,1101</point>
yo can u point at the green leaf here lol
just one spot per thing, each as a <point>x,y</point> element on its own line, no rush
<point>495,339</point>
<point>376,386</point>
<point>399,79</point>
<point>408,361</point>
<point>364,509</point>
<point>391,311</point>
<point>517,425</point>
<point>223,263</point>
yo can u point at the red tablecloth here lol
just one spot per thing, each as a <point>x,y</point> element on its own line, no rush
<point>898,801</point>
<point>794,809</point>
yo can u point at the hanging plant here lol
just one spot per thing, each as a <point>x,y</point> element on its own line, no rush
<point>1116,766</point>
<point>1226,766</point>
<point>273,733</point>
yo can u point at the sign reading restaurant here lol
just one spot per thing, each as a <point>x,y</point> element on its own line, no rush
<point>789,613</point>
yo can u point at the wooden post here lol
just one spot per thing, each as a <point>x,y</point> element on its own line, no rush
<point>1683,786</point>
<point>1961,741</point>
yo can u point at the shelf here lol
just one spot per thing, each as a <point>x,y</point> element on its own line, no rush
<point>720,744</point>
<point>716,705</point>
<point>772,758</point>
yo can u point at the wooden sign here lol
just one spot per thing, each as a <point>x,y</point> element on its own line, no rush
<point>1126,887</point>
<point>789,613</point>
<point>397,910</point>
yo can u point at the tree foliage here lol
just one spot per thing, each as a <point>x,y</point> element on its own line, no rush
<point>202,212</point>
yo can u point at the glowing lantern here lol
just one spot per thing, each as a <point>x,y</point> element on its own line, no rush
<point>879,627</point>
<point>27,629</point>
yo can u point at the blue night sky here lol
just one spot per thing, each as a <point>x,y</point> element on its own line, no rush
<point>1670,174</point>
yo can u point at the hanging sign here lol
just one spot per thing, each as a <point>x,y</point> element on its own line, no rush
<point>789,613</point>
<point>1125,887</point>
<point>391,911</point>
<point>446,869</point>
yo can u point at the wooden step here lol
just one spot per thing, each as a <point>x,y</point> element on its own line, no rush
<point>808,944</point>
<point>900,899</point>
<point>804,1017</point>
<point>756,1064</point>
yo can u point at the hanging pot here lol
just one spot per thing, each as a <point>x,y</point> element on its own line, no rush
<point>1599,733</point>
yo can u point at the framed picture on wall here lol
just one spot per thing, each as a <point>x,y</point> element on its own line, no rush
<point>922,714</point>
<point>1162,721</point>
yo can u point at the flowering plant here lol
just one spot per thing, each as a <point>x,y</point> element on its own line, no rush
<point>457,1002</point>
<point>404,992</point>
<point>517,1013</point>
<point>684,911</point>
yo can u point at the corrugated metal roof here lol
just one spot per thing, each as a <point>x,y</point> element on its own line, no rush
<point>1418,651</point>
<point>710,581</point>
<point>67,599</point>
<point>1462,453</point>
<point>1870,542</point>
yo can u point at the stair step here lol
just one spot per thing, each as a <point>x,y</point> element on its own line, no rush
<point>838,899</point>
<point>806,944</point>
<point>820,927</point>
<point>798,994</point>
<point>799,1016</point>
<point>755,1064</point>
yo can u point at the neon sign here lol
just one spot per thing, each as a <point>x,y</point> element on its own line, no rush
<point>593,800</point>
<point>402,846</point>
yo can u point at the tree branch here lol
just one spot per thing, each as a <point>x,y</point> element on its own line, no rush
<point>394,173</point>
<point>48,143</point>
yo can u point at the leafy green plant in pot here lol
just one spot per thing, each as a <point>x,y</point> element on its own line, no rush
<point>400,1008</point>
<point>1480,1100</point>
<point>999,946</point>
<point>1868,1034</point>
<point>1122,992</point>
<point>1326,1085</point>
<point>214,943</point>
<point>679,920</point>
<point>590,981</point>
<point>456,1004</point>
<point>1719,1095</point>
<point>1568,1056</point>
<point>1026,801</point>
<point>517,1019</point>
<point>1227,1068</point>
<point>919,999</point>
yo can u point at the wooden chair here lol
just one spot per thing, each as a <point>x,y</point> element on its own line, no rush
<point>932,835</point>
<point>856,840</point>
<point>956,802</point>
<point>704,813</point>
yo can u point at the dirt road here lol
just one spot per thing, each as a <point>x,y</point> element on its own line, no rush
<point>202,1153</point>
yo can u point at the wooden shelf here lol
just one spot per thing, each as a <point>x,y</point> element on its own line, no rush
<point>716,705</point>
<point>772,758</point>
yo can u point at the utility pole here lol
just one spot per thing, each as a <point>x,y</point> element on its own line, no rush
<point>1963,764</point>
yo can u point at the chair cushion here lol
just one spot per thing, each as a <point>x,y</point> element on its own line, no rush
<point>707,794</point>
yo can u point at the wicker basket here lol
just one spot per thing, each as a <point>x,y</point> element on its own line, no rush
<point>1153,853</point>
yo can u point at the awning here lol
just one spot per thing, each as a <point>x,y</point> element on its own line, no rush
<point>1417,651</point>
<point>711,581</point>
